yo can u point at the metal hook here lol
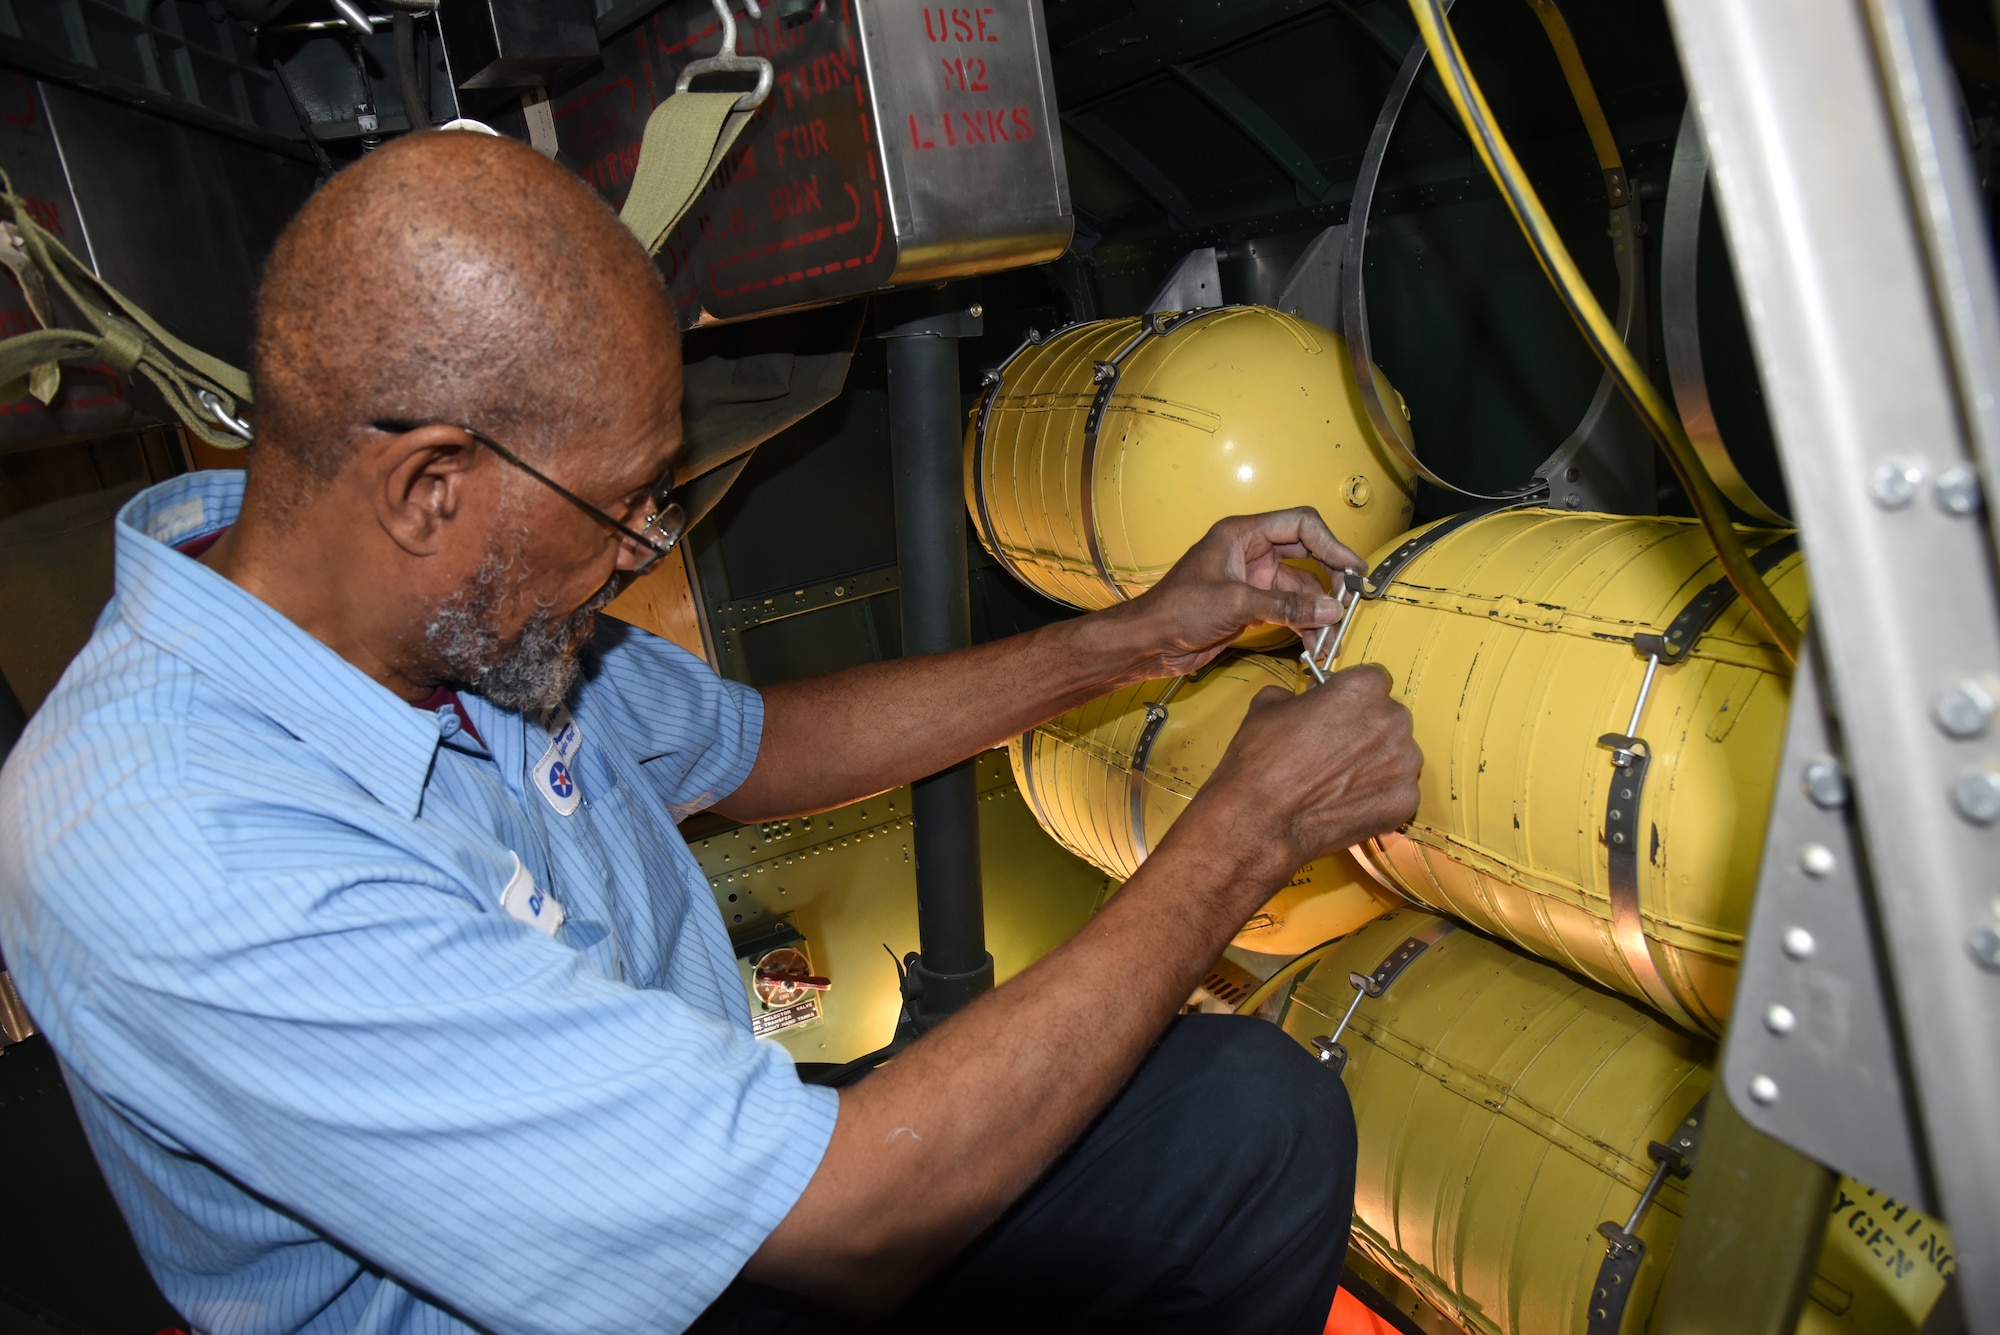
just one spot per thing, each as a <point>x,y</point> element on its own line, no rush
<point>234,425</point>
<point>726,61</point>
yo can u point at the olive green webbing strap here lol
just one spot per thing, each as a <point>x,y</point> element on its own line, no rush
<point>125,337</point>
<point>686,138</point>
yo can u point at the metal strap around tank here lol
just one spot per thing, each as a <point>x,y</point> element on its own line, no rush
<point>1688,625</point>
<point>1157,325</point>
<point>994,381</point>
<point>1373,984</point>
<point>1680,318</point>
<point>1391,968</point>
<point>1625,1250</point>
<point>1354,297</point>
<point>1631,758</point>
<point>1028,791</point>
<point>1628,924</point>
<point>1378,580</point>
<point>1156,719</point>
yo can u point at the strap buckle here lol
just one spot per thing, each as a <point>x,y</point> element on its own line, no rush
<point>726,61</point>
<point>1624,1249</point>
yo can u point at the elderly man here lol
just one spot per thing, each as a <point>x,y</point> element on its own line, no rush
<point>341,868</point>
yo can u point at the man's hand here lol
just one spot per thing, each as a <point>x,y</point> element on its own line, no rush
<point>835,739</point>
<point>931,1148</point>
<point>1233,580</point>
<point>1307,775</point>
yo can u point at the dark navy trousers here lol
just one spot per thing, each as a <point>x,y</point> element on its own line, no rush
<point>1213,1194</point>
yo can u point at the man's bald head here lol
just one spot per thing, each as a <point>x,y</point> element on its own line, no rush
<point>458,277</point>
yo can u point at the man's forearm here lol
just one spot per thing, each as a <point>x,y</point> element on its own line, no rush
<point>931,1148</point>
<point>838,738</point>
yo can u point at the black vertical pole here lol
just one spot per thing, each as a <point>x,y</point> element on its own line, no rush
<point>925,432</point>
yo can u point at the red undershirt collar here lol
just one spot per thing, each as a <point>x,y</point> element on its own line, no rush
<point>437,702</point>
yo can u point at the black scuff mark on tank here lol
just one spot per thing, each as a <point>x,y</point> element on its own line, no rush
<point>1653,855</point>
<point>1517,820</point>
<point>1464,693</point>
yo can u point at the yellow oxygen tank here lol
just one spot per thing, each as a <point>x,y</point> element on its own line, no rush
<point>1109,777</point>
<point>1504,1111</point>
<point>1511,640</point>
<point>1097,456</point>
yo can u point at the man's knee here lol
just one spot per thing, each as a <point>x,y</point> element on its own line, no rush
<point>1252,1081</point>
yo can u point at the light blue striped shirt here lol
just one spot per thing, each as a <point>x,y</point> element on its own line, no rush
<point>254,901</point>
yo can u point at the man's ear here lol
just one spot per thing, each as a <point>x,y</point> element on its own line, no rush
<point>423,480</point>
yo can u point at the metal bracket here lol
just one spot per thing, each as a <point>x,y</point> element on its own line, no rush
<point>1812,1058</point>
<point>1624,1249</point>
<point>1311,290</point>
<point>1195,283</point>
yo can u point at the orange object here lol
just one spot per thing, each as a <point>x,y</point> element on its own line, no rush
<point>1351,1317</point>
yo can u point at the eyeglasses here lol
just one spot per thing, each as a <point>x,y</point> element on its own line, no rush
<point>666,520</point>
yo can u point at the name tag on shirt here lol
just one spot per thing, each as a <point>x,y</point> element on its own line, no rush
<point>524,902</point>
<point>555,772</point>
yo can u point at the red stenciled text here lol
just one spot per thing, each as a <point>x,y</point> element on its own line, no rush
<point>959,25</point>
<point>818,77</point>
<point>795,199</point>
<point>970,129</point>
<point>796,143</point>
<point>964,74</point>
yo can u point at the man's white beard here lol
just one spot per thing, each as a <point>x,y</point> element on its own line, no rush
<point>535,671</point>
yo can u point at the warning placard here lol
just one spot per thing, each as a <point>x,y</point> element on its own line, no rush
<point>899,143</point>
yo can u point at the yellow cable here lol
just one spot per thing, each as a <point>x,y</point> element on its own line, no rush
<point>1581,90</point>
<point>1596,326</point>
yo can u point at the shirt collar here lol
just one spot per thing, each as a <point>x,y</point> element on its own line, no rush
<point>254,655</point>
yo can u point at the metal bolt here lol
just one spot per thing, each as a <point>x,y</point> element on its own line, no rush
<point>975,310</point>
<point>1763,1090</point>
<point>1977,796</point>
<point>1817,861</point>
<point>1826,784</point>
<point>1102,372</point>
<point>1964,709</point>
<point>1799,943</point>
<point>1894,484</point>
<point>1985,944</point>
<point>1780,1020</point>
<point>1958,490</point>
